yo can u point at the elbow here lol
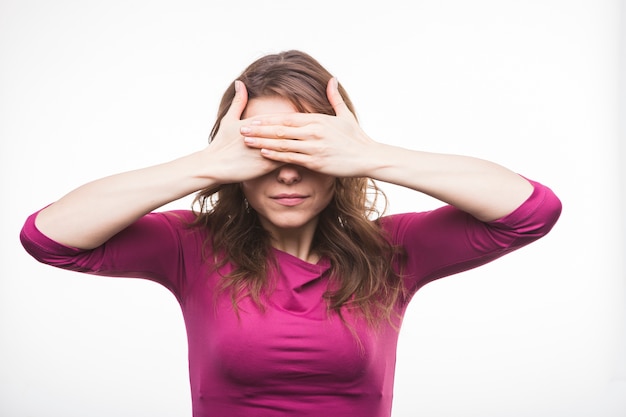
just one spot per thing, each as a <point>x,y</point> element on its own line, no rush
<point>534,219</point>
<point>545,217</point>
<point>552,209</point>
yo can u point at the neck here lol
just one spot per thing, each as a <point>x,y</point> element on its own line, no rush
<point>298,246</point>
<point>296,242</point>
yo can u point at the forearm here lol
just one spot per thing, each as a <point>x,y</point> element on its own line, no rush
<point>88,216</point>
<point>484,189</point>
<point>336,145</point>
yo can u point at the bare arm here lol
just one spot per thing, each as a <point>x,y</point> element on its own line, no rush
<point>88,216</point>
<point>336,145</point>
<point>482,188</point>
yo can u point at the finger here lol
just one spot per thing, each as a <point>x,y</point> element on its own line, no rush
<point>277,145</point>
<point>239,101</point>
<point>335,99</point>
<point>282,119</point>
<point>287,157</point>
<point>274,132</point>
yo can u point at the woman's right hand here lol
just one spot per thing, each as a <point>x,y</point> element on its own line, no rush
<point>89,215</point>
<point>229,160</point>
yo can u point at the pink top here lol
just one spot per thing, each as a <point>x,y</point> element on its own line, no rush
<point>294,359</point>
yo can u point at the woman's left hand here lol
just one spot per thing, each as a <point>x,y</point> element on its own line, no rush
<point>332,145</point>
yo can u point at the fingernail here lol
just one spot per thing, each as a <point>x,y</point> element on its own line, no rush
<point>248,140</point>
<point>237,86</point>
<point>245,129</point>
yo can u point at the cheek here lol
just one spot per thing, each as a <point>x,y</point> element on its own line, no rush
<point>251,189</point>
<point>329,190</point>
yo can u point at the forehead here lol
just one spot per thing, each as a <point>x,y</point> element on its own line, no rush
<point>268,105</point>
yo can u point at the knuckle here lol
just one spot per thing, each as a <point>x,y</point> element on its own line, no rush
<point>316,132</point>
<point>314,165</point>
<point>322,151</point>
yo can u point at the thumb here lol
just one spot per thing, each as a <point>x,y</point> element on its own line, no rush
<point>239,102</point>
<point>335,99</point>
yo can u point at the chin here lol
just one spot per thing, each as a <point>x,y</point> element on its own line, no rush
<point>287,224</point>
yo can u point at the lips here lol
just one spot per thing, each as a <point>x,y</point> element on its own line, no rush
<point>289,200</point>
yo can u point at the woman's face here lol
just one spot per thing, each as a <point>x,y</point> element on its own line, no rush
<point>290,198</point>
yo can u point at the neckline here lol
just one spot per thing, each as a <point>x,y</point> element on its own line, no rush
<point>323,263</point>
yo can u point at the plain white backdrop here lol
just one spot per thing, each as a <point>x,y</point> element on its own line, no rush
<point>91,88</point>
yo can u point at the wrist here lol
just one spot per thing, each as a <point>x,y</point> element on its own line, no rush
<point>379,158</point>
<point>201,169</point>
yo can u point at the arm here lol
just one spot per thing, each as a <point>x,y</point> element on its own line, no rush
<point>93,213</point>
<point>481,188</point>
<point>447,240</point>
<point>336,145</point>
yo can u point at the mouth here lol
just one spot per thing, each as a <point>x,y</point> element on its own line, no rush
<point>289,200</point>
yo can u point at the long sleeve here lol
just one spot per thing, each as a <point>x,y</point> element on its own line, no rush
<point>151,248</point>
<point>447,241</point>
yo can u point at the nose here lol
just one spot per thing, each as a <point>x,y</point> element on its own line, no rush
<point>288,174</point>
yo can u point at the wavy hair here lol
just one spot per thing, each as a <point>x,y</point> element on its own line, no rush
<point>348,234</point>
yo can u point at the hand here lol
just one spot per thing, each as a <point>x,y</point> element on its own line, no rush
<point>332,145</point>
<point>229,160</point>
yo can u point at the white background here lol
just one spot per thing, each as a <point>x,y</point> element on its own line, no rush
<point>92,88</point>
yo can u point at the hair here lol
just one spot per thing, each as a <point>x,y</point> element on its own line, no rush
<point>361,275</point>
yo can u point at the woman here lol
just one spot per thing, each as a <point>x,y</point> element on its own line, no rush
<point>291,288</point>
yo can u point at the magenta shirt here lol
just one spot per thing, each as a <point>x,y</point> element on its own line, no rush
<point>295,358</point>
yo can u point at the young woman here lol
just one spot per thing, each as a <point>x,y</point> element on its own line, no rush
<point>291,286</point>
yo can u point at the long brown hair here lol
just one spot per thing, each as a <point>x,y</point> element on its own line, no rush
<point>362,277</point>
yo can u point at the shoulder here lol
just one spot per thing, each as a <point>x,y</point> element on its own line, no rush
<point>159,227</point>
<point>172,219</point>
<point>395,226</point>
<point>178,217</point>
